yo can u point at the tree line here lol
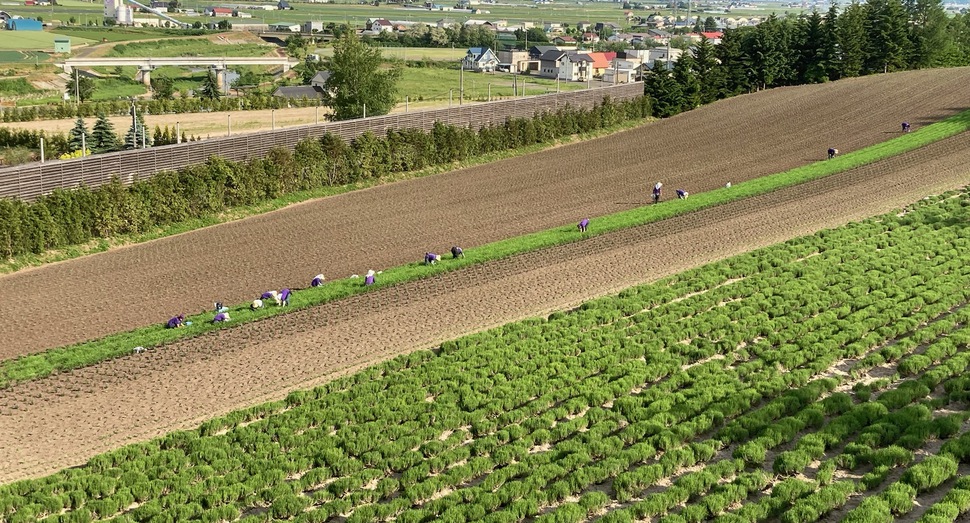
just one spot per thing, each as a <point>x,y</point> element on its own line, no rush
<point>876,37</point>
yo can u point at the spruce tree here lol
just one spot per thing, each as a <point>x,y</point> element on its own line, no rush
<point>103,137</point>
<point>852,40</point>
<point>889,44</point>
<point>210,87</point>
<point>137,135</point>
<point>75,141</point>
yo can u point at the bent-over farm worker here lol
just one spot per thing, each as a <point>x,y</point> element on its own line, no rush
<point>257,304</point>
<point>271,295</point>
<point>456,252</point>
<point>285,297</point>
<point>583,225</point>
<point>905,127</point>
<point>431,258</point>
<point>682,194</point>
<point>175,322</point>
<point>221,317</point>
<point>369,278</point>
<point>833,152</point>
<point>317,281</point>
<point>219,307</point>
<point>656,192</point>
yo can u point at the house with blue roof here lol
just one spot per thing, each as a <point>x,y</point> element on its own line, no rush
<point>481,59</point>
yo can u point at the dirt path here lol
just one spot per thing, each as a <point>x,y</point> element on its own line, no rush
<point>734,140</point>
<point>64,420</point>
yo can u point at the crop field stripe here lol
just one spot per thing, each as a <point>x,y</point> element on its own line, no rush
<point>621,409</point>
<point>39,365</point>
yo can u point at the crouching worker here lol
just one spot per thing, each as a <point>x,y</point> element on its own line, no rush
<point>285,297</point>
<point>833,152</point>
<point>219,307</point>
<point>583,225</point>
<point>257,304</point>
<point>369,279</point>
<point>176,322</point>
<point>456,252</point>
<point>271,295</point>
<point>221,317</point>
<point>906,127</point>
<point>317,281</point>
<point>682,194</point>
<point>431,258</point>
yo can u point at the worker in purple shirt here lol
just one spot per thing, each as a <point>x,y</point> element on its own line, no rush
<point>221,317</point>
<point>176,322</point>
<point>369,279</point>
<point>656,192</point>
<point>285,297</point>
<point>431,258</point>
<point>583,225</point>
<point>317,281</point>
<point>682,194</point>
<point>456,252</point>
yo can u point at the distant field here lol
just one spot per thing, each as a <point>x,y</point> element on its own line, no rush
<point>32,41</point>
<point>411,53</point>
<point>114,34</point>
<point>420,84</point>
<point>188,47</point>
<point>23,56</point>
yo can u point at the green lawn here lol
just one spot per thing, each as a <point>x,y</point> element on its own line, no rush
<point>32,41</point>
<point>420,84</point>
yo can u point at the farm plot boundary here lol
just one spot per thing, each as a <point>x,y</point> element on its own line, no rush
<point>36,366</point>
<point>705,385</point>
<point>29,181</point>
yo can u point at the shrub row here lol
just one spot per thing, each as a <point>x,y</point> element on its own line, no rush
<point>249,102</point>
<point>70,217</point>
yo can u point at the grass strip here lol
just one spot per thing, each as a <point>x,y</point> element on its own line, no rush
<point>87,353</point>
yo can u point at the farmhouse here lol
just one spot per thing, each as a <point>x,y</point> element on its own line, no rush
<point>480,59</point>
<point>218,11</point>
<point>550,62</point>
<point>576,67</point>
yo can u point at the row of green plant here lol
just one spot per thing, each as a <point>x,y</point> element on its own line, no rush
<point>627,407</point>
<point>87,353</point>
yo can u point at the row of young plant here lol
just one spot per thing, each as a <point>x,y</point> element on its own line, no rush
<point>249,102</point>
<point>71,217</point>
<point>87,353</point>
<point>597,409</point>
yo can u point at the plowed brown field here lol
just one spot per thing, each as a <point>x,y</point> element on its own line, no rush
<point>64,420</point>
<point>733,140</point>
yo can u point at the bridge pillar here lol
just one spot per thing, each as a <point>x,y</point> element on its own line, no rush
<point>146,75</point>
<point>220,76</point>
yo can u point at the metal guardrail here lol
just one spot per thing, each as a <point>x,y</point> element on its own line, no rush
<point>30,181</point>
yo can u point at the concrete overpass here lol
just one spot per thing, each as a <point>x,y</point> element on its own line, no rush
<point>219,64</point>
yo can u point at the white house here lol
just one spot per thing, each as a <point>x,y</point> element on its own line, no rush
<point>480,59</point>
<point>576,67</point>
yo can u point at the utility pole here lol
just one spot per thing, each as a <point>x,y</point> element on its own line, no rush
<point>134,125</point>
<point>77,88</point>
<point>461,83</point>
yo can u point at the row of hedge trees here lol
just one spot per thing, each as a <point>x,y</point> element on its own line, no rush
<point>71,217</point>
<point>249,102</point>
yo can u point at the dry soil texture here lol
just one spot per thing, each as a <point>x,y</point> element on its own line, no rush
<point>65,419</point>
<point>733,140</point>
